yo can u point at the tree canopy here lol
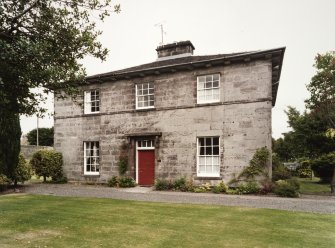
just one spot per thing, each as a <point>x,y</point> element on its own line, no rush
<point>322,87</point>
<point>45,136</point>
<point>41,43</point>
<point>307,139</point>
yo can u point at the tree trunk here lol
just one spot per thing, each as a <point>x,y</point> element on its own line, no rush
<point>44,179</point>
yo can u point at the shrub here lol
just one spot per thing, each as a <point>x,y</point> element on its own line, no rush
<point>287,188</point>
<point>206,187</point>
<point>163,184</point>
<point>251,187</point>
<point>233,192</point>
<point>122,182</point>
<point>180,184</point>
<point>48,163</point>
<point>304,170</point>
<point>220,188</point>
<point>324,166</point>
<point>257,165</point>
<point>4,182</point>
<point>113,182</point>
<point>126,182</point>
<point>122,164</point>
<point>280,172</point>
<point>294,182</point>
<point>23,171</point>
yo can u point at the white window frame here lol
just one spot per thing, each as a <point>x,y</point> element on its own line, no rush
<point>86,156</point>
<point>207,174</point>
<point>202,89</point>
<point>148,87</point>
<point>88,101</point>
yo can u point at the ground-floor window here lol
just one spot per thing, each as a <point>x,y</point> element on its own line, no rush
<point>91,158</point>
<point>208,162</point>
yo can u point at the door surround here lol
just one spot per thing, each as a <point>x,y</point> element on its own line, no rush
<point>143,145</point>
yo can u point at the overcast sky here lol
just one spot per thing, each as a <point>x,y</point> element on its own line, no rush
<point>220,26</point>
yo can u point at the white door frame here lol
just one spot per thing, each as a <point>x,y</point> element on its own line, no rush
<point>143,148</point>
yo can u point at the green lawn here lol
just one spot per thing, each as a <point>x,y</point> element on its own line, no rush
<point>312,186</point>
<point>49,221</point>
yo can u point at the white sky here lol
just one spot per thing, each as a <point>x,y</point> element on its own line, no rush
<point>305,27</point>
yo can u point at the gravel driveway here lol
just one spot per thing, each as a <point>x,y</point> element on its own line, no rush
<point>313,204</point>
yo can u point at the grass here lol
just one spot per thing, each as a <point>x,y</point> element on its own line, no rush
<point>313,186</point>
<point>50,221</point>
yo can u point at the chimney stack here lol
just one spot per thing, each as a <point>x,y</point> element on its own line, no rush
<point>175,50</point>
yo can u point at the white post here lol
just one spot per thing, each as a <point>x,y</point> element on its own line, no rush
<point>37,131</point>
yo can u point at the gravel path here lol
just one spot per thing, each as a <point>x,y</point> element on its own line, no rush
<point>313,204</point>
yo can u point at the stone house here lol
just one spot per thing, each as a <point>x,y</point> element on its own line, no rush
<point>199,117</point>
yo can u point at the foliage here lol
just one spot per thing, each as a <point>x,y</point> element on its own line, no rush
<point>304,170</point>
<point>280,172</point>
<point>112,182</point>
<point>163,184</point>
<point>23,171</point>
<point>203,188</point>
<point>307,138</point>
<point>324,166</point>
<point>251,187</point>
<point>233,191</point>
<point>283,149</point>
<point>180,184</point>
<point>126,182</point>
<point>123,165</point>
<point>287,188</point>
<point>45,136</point>
<point>122,182</point>
<point>41,43</point>
<point>220,188</point>
<point>322,87</point>
<point>10,133</point>
<point>48,163</point>
<point>4,182</point>
<point>257,165</point>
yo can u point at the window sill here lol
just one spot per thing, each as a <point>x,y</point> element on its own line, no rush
<point>208,104</point>
<point>145,109</point>
<point>92,114</point>
<point>208,178</point>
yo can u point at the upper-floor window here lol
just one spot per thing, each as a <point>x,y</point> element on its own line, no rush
<point>91,102</point>
<point>145,97</point>
<point>91,158</point>
<point>208,163</point>
<point>208,88</point>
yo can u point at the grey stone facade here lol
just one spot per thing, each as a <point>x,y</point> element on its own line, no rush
<point>242,119</point>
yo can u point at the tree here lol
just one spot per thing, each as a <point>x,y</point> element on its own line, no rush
<point>307,138</point>
<point>23,171</point>
<point>322,88</point>
<point>322,100</point>
<point>10,133</point>
<point>41,43</point>
<point>45,136</point>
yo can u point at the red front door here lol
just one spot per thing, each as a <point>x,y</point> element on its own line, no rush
<point>146,167</point>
